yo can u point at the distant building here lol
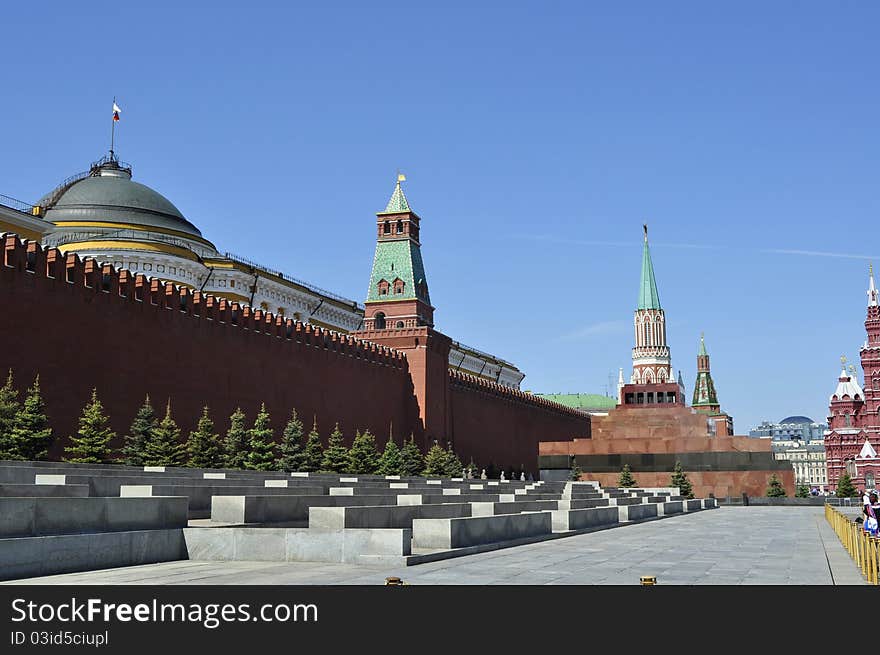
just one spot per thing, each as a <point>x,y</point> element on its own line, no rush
<point>791,428</point>
<point>807,460</point>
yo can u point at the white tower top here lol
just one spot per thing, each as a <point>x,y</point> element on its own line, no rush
<point>872,290</point>
<point>848,385</point>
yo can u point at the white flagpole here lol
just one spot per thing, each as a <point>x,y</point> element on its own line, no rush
<point>113,129</point>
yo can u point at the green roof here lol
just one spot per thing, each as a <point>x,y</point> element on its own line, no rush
<point>704,391</point>
<point>648,296</point>
<point>585,401</point>
<point>400,258</point>
<point>397,204</point>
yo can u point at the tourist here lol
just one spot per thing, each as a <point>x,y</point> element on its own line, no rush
<point>871,511</point>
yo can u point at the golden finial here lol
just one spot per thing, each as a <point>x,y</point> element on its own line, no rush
<point>400,177</point>
<point>645,226</point>
<point>843,359</point>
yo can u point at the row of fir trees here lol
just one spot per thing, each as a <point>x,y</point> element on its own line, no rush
<point>156,441</point>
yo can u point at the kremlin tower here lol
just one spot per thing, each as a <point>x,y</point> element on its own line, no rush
<point>705,398</point>
<point>651,361</point>
<point>652,381</point>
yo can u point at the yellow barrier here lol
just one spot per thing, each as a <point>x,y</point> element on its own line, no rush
<point>861,546</point>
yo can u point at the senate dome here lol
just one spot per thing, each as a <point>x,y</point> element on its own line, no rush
<point>107,194</point>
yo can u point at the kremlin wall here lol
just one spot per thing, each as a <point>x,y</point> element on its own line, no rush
<point>80,322</point>
<point>81,318</point>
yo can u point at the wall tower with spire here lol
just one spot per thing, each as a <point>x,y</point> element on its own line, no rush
<point>652,382</point>
<point>398,311</point>
<point>651,359</point>
<point>398,293</point>
<point>705,398</point>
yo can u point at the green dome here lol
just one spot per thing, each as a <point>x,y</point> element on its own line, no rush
<point>107,194</point>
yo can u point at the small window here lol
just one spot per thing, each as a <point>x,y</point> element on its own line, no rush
<point>400,227</point>
<point>650,397</point>
<point>640,398</point>
<point>399,324</point>
<point>232,283</point>
<point>386,228</point>
<point>670,397</point>
<point>379,321</point>
<point>628,399</point>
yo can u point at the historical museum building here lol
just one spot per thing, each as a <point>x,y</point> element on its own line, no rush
<point>853,434</point>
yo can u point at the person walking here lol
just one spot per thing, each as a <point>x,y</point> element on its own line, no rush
<point>871,511</point>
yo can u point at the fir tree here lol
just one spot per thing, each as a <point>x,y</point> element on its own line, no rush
<point>435,461</point>
<point>92,446</point>
<point>291,450</point>
<point>203,447</point>
<point>803,491</point>
<point>680,480</point>
<point>775,488</point>
<point>9,407</point>
<point>261,443</point>
<point>31,433</point>
<point>453,466</point>
<point>626,479</point>
<point>313,455</point>
<point>165,448</point>
<point>845,488</point>
<point>413,463</point>
<point>335,458</point>
<point>139,435</point>
<point>575,470</point>
<point>391,461</point>
<point>363,456</point>
<point>235,446</point>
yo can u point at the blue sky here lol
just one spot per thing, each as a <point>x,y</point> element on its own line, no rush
<point>536,139</point>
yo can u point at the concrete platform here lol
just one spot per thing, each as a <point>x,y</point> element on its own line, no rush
<point>282,508</point>
<point>446,534</point>
<point>355,546</point>
<point>34,517</point>
<point>731,546</point>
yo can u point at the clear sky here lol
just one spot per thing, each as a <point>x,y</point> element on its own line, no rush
<point>536,139</point>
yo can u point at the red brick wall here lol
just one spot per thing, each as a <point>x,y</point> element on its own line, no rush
<point>501,426</point>
<point>80,325</point>
<point>77,338</point>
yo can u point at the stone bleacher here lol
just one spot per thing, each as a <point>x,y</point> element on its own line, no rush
<point>58,517</point>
